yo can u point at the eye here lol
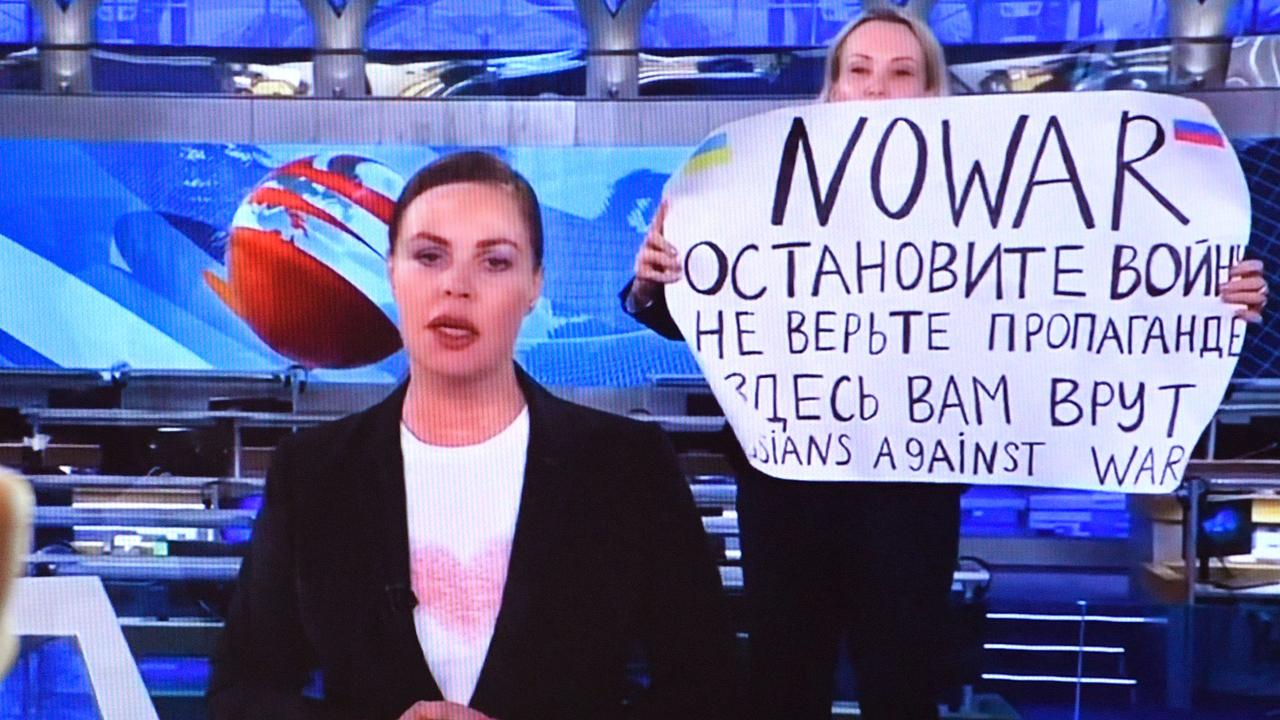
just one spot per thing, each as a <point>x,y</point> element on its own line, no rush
<point>497,263</point>
<point>429,256</point>
<point>859,70</point>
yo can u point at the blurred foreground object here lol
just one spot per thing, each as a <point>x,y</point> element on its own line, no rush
<point>16,504</point>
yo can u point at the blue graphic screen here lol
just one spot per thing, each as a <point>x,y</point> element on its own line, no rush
<point>118,253</point>
<point>127,253</point>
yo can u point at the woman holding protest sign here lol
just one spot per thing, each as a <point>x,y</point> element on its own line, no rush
<point>874,560</point>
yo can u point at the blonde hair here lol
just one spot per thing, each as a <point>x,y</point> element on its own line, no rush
<point>935,63</point>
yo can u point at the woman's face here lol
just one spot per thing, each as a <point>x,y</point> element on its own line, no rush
<point>880,60</point>
<point>463,278</point>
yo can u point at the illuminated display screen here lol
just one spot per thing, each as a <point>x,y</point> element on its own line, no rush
<point>541,25</point>
<point>121,253</point>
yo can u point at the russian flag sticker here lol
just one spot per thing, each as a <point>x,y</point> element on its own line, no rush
<point>1198,133</point>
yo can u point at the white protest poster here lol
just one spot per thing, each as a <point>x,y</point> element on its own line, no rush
<point>1017,289</point>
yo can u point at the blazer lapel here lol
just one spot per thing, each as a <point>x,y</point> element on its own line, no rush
<point>384,510</point>
<point>506,675</point>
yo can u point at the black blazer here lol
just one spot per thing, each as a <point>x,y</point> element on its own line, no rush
<point>609,558</point>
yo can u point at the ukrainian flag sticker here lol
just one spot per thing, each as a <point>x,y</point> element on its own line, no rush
<point>713,152</point>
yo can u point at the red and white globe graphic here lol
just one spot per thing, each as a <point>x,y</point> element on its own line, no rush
<point>306,261</point>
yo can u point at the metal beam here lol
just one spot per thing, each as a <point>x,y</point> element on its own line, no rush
<point>339,51</point>
<point>1201,44</point>
<point>613,46</point>
<point>507,123</point>
<point>69,34</point>
<point>919,8</point>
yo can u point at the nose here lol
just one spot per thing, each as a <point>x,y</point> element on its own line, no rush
<point>875,87</point>
<point>457,283</point>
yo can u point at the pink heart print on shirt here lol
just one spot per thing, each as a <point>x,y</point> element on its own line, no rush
<point>463,597</point>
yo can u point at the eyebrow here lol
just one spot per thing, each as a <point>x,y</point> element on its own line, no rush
<point>864,56</point>
<point>483,244</point>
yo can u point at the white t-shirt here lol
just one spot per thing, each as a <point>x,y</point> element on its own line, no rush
<point>462,504</point>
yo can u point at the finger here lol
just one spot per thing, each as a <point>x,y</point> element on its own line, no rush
<point>660,217</point>
<point>657,242</point>
<point>655,272</point>
<point>660,277</point>
<point>1250,283</point>
<point>1249,315</point>
<point>656,236</point>
<point>671,276</point>
<point>660,260</point>
<point>664,264</point>
<point>649,275</point>
<point>657,263</point>
<point>651,253</point>
<point>1252,299</point>
<point>1244,297</point>
<point>1246,267</point>
<point>647,259</point>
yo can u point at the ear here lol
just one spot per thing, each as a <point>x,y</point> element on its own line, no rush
<point>535,290</point>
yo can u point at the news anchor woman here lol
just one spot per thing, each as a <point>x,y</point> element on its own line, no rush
<point>871,563</point>
<point>473,547</point>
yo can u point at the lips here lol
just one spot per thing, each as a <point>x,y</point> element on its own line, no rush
<point>453,332</point>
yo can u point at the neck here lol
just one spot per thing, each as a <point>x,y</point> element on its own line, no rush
<point>454,412</point>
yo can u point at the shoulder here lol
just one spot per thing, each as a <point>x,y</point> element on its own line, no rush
<point>327,440</point>
<point>621,466</point>
<point>325,449</point>
<point>587,432</point>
